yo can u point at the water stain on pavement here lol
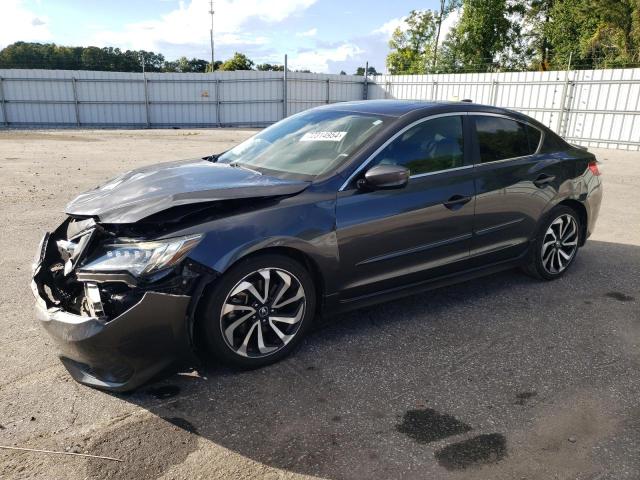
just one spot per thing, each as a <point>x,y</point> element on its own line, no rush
<point>427,425</point>
<point>522,397</point>
<point>164,392</point>
<point>621,297</point>
<point>147,448</point>
<point>476,451</point>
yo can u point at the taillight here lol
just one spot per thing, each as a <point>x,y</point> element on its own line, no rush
<point>593,166</point>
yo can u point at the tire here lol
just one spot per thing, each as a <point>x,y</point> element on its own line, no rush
<point>551,257</point>
<point>275,321</point>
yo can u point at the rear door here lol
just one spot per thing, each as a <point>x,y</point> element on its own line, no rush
<point>513,185</point>
<point>388,238</point>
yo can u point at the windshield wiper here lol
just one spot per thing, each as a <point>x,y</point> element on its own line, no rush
<point>240,165</point>
<point>212,158</point>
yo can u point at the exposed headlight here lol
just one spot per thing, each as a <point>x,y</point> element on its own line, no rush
<point>141,258</point>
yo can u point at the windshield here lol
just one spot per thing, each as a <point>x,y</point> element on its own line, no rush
<point>307,144</point>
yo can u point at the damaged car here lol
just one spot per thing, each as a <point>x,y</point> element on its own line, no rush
<point>232,256</point>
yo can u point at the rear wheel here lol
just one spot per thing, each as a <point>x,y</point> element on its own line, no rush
<point>259,311</point>
<point>556,246</point>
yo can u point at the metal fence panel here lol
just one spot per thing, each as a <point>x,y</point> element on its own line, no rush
<point>598,108</point>
<point>590,107</point>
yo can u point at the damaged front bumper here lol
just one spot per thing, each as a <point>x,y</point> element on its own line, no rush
<point>125,352</point>
<point>121,351</point>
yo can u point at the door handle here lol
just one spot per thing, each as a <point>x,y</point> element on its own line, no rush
<point>543,180</point>
<point>456,202</point>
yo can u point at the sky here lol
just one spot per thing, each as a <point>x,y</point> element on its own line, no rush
<point>319,35</point>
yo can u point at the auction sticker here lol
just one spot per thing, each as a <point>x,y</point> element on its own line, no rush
<point>323,136</point>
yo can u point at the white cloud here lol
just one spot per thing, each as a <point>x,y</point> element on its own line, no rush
<point>449,23</point>
<point>19,23</point>
<point>190,24</point>
<point>309,33</point>
<point>318,60</point>
<point>390,26</point>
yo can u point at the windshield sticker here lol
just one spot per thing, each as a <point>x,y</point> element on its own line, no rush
<point>323,136</point>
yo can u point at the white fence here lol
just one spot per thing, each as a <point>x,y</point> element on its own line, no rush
<point>590,107</point>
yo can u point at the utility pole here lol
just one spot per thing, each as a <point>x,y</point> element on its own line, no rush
<point>435,48</point>
<point>211,32</point>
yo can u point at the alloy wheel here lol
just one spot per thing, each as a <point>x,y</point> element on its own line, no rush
<point>559,244</point>
<point>262,312</point>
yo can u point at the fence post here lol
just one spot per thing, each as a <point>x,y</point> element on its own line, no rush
<point>218,103</point>
<point>494,92</point>
<point>564,128</point>
<point>285,109</point>
<point>365,85</point>
<point>146,98</point>
<point>75,100</point>
<point>434,90</point>
<point>328,91</point>
<point>563,98</point>
<point>4,104</point>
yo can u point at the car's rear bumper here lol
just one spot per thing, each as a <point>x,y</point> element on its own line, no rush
<point>122,353</point>
<point>592,203</point>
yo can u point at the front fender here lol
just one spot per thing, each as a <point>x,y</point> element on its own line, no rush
<point>308,228</point>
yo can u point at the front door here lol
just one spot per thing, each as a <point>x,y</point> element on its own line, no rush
<point>387,238</point>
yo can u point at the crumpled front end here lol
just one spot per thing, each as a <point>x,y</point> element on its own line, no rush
<point>114,330</point>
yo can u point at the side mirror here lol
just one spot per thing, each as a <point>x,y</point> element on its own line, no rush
<point>385,177</point>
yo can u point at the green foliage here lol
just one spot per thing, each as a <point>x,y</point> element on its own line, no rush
<point>370,71</point>
<point>414,49</point>
<point>184,65</point>
<point>483,31</point>
<point>268,67</point>
<point>598,33</point>
<point>410,48</point>
<point>52,56</point>
<point>502,35</point>
<point>239,61</point>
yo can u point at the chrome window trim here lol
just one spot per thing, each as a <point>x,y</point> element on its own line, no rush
<point>537,151</point>
<point>396,135</point>
<point>419,175</point>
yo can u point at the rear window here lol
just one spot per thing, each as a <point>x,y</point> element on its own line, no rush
<point>500,138</point>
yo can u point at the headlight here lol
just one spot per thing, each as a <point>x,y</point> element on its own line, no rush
<point>141,258</point>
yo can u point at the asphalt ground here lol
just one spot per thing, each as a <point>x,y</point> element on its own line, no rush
<point>502,377</point>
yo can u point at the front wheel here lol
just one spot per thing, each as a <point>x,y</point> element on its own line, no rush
<point>556,246</point>
<point>259,311</point>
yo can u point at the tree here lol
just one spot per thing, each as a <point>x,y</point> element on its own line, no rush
<point>411,48</point>
<point>239,61</point>
<point>216,66</point>
<point>597,33</point>
<point>446,7</point>
<point>537,16</point>
<point>482,33</point>
<point>268,67</point>
<point>52,56</point>
<point>414,48</point>
<point>370,71</point>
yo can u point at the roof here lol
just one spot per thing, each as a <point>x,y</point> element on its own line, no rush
<point>398,108</point>
<point>394,108</point>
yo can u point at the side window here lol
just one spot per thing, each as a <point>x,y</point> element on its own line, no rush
<point>430,146</point>
<point>534,138</point>
<point>500,138</point>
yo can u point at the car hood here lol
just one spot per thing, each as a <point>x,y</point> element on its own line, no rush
<point>139,193</point>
